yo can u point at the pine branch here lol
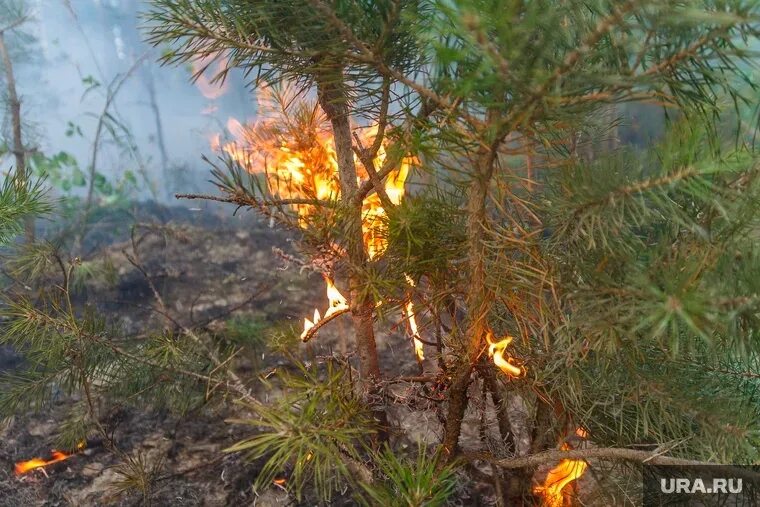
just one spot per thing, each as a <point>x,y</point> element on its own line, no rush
<point>246,200</point>
<point>365,55</point>
<point>640,187</point>
<point>311,332</point>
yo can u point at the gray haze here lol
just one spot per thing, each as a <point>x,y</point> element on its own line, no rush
<point>102,38</point>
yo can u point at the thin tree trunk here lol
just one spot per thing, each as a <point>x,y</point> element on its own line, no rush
<point>500,406</point>
<point>505,483</point>
<point>478,299</point>
<point>19,151</point>
<point>151,86</point>
<point>111,93</point>
<point>333,100</point>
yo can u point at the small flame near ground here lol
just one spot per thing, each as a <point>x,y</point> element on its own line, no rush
<point>23,467</point>
<point>553,490</point>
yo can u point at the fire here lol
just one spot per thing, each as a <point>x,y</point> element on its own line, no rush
<point>373,212</point>
<point>409,313</point>
<point>336,304</point>
<point>303,165</point>
<point>336,301</point>
<point>23,467</point>
<point>300,162</point>
<point>496,351</point>
<point>559,477</point>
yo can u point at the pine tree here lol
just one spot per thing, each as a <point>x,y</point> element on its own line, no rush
<point>299,43</point>
<point>573,293</point>
<point>608,266</point>
<point>13,14</point>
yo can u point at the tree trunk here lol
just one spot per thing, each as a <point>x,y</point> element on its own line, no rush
<point>333,100</point>
<point>478,300</point>
<point>150,85</point>
<point>18,145</point>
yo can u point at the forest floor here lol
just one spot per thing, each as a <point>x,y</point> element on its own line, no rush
<point>210,268</point>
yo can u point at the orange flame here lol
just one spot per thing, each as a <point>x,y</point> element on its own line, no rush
<point>419,351</point>
<point>336,303</point>
<point>560,477</point>
<point>409,311</point>
<point>301,163</point>
<point>496,351</point>
<point>23,467</point>
<point>307,168</point>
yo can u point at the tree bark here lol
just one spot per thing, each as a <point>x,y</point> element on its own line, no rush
<point>19,151</point>
<point>334,102</point>
<point>478,298</point>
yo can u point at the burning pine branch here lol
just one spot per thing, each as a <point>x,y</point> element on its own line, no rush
<point>299,162</point>
<point>560,479</point>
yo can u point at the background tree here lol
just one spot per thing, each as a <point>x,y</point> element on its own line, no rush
<point>13,14</point>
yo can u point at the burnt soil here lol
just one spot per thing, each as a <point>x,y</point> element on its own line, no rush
<point>209,266</point>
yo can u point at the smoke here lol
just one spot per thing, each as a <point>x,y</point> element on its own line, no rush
<point>63,75</point>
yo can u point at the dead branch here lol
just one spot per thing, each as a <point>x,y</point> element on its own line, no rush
<point>14,24</point>
<point>242,200</point>
<point>113,90</point>
<point>602,453</point>
<point>368,161</point>
<point>236,383</point>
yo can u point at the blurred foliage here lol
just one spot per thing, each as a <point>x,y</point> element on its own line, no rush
<point>246,331</point>
<point>410,483</point>
<point>312,430</point>
<point>20,197</point>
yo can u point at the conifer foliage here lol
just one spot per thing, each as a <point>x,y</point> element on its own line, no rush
<point>624,278</point>
<point>570,291</point>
